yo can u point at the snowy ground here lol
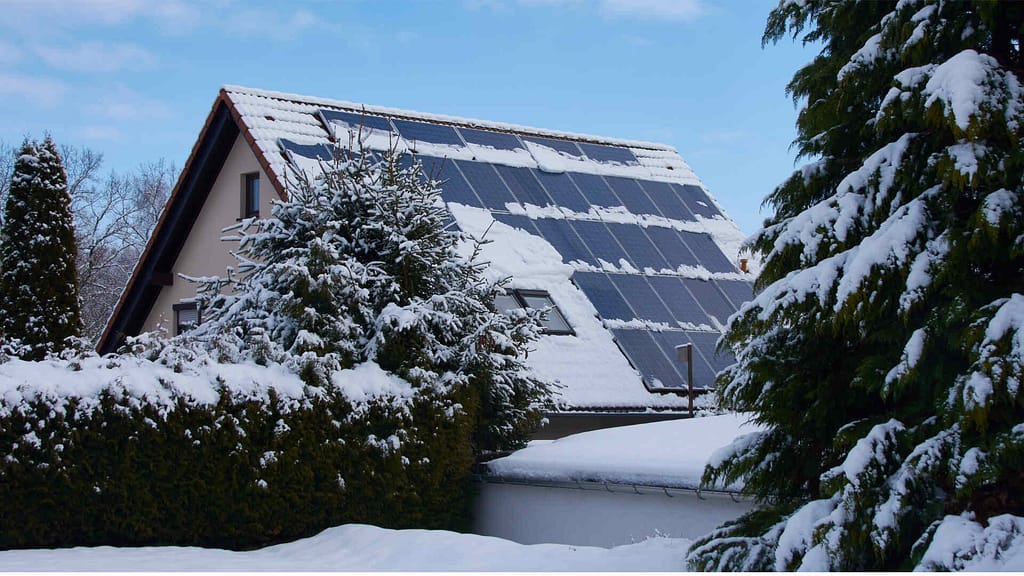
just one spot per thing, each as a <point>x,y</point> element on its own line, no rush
<point>365,548</point>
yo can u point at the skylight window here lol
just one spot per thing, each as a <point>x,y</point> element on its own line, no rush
<point>552,320</point>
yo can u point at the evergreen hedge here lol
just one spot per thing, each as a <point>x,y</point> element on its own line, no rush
<point>241,473</point>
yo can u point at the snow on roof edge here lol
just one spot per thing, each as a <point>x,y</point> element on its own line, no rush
<point>468,122</point>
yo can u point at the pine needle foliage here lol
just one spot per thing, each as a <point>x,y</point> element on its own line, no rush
<point>884,352</point>
<point>39,307</point>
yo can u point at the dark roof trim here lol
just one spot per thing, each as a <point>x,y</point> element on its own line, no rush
<point>197,178</point>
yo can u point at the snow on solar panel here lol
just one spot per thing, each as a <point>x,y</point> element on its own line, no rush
<point>639,248</point>
<point>424,132</point>
<point>312,151</point>
<point>706,343</point>
<point>595,190</point>
<point>696,200</point>
<point>710,298</point>
<point>523,185</point>
<point>632,195</point>
<point>642,298</point>
<point>516,221</point>
<point>564,146</point>
<point>603,153</point>
<point>647,356</point>
<point>354,121</point>
<point>666,200</point>
<point>606,299</point>
<point>497,140</point>
<point>561,189</point>
<point>599,240</point>
<point>560,235</point>
<point>486,183</point>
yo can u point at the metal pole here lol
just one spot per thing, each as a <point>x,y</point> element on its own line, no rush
<point>685,353</point>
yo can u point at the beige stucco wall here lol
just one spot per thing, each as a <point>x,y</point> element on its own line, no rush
<point>204,253</point>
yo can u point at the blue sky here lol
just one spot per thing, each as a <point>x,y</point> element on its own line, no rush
<point>135,79</point>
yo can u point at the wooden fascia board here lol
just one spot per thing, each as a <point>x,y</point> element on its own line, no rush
<point>138,284</point>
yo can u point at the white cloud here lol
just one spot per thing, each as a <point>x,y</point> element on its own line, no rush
<point>36,90</point>
<point>97,57</point>
<point>272,24</point>
<point>681,10</point>
<point>121,103</point>
<point>99,132</point>
<point>43,18</point>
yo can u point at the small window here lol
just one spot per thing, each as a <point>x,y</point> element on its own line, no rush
<point>251,195</point>
<point>552,320</point>
<point>186,317</point>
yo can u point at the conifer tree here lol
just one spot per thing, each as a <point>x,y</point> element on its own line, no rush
<point>884,352</point>
<point>38,281</point>
<point>359,265</point>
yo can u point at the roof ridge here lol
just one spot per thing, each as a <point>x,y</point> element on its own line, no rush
<point>444,118</point>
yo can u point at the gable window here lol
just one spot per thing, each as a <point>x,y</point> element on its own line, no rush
<point>552,321</point>
<point>186,317</point>
<point>251,195</point>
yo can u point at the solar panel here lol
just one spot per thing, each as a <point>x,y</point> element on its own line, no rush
<point>424,132</point>
<point>639,248</point>
<point>703,372</point>
<point>354,121</point>
<point>710,298</point>
<point>454,187</point>
<point>560,235</point>
<point>486,183</point>
<point>642,298</point>
<point>738,291</point>
<point>561,189</point>
<point>523,185</point>
<point>696,200</point>
<point>666,200</point>
<point>708,253</point>
<point>678,300</point>
<point>649,359</point>
<point>606,299</point>
<point>603,153</point>
<point>517,221</point>
<point>498,140</point>
<point>632,195</point>
<point>594,189</point>
<point>706,342</point>
<point>599,240</point>
<point>565,146</point>
<point>315,151</point>
<point>671,244</point>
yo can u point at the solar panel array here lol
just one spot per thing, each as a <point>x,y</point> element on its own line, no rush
<point>630,272</point>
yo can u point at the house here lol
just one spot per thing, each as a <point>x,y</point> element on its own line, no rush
<point>619,238</point>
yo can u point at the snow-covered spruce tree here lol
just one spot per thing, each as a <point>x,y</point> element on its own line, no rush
<point>38,281</point>
<point>884,353</point>
<point>359,265</point>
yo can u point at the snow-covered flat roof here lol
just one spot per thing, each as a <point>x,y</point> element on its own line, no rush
<point>671,453</point>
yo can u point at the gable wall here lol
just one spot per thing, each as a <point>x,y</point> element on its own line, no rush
<point>204,253</point>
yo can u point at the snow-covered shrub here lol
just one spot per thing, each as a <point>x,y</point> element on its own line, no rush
<point>183,449</point>
<point>884,352</point>
<point>359,264</point>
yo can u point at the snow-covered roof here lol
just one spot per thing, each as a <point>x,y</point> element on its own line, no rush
<point>633,250</point>
<point>666,454</point>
